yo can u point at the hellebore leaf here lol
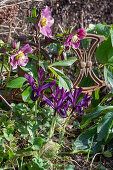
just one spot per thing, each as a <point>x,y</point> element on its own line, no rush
<point>16,82</point>
<point>64,81</point>
<point>67,62</point>
<point>104,127</point>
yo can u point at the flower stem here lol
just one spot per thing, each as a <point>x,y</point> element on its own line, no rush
<point>8,76</point>
<point>52,128</point>
<point>36,111</point>
<point>63,128</point>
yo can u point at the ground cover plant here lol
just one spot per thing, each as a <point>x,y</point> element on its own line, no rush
<point>43,120</point>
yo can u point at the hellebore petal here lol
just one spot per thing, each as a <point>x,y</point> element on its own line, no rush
<point>72,41</point>
<point>20,58</point>
<point>46,12</point>
<point>81,33</point>
<point>45,22</point>
<point>26,49</point>
<point>23,61</point>
<point>14,45</point>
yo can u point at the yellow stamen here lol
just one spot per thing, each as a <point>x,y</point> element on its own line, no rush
<point>74,38</point>
<point>19,55</point>
<point>43,22</point>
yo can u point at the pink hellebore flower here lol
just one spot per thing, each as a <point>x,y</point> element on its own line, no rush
<point>20,57</point>
<point>81,33</point>
<point>73,39</point>
<point>45,22</point>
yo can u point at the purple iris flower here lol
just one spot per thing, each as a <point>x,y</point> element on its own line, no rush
<point>82,104</point>
<point>74,96</point>
<point>58,101</point>
<point>31,81</point>
<point>36,91</point>
<point>45,22</point>
<point>20,57</point>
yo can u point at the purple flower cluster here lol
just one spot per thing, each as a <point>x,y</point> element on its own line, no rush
<point>36,90</point>
<point>60,99</point>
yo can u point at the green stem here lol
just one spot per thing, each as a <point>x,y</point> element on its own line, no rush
<point>36,110</point>
<point>63,128</point>
<point>52,128</point>
<point>66,121</point>
<point>93,160</point>
<point>8,76</point>
<point>90,148</point>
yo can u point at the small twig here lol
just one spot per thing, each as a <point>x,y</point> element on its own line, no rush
<point>5,101</point>
<point>76,162</point>
<point>9,35</point>
<point>6,32</point>
<point>18,3</point>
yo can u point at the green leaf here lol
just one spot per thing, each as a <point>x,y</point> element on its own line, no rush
<point>70,167</point>
<point>85,43</point>
<point>102,30</point>
<point>84,140</point>
<point>104,127</point>
<point>3,67</point>
<point>107,154</point>
<point>67,62</point>
<point>54,48</point>
<point>18,45</point>
<point>59,35</point>
<point>110,56</point>
<point>8,137</point>
<point>103,167</point>
<point>43,64</point>
<point>61,28</point>
<point>26,94</point>
<point>30,69</point>
<point>33,56</point>
<point>108,75</point>
<point>34,11</point>
<point>1,159</point>
<point>32,20</point>
<point>64,81</point>
<point>111,31</point>
<point>37,143</point>
<point>103,50</point>
<point>89,117</point>
<point>16,83</point>
<point>106,97</point>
